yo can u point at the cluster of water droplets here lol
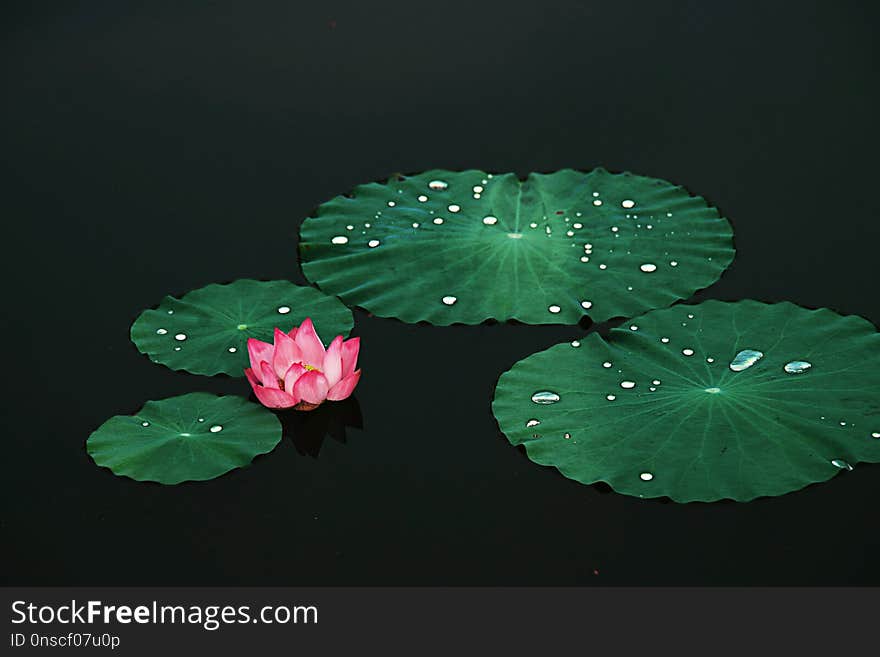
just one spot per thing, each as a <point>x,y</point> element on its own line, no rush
<point>214,428</point>
<point>439,186</point>
<point>567,222</point>
<point>631,222</point>
<point>549,397</point>
<point>452,208</point>
<point>180,338</point>
<point>741,361</point>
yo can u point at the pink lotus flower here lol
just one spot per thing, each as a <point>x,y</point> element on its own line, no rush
<point>297,372</point>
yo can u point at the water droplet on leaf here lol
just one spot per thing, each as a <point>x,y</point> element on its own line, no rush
<point>745,359</point>
<point>545,397</point>
<point>797,366</point>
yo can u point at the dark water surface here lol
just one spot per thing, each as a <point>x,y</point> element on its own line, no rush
<point>150,148</point>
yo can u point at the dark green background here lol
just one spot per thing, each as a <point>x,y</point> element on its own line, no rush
<point>152,148</point>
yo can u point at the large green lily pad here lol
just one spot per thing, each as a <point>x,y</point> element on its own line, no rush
<point>193,437</point>
<point>704,402</point>
<point>448,247</point>
<point>206,330</point>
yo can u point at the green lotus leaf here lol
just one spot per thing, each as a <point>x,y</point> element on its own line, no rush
<point>462,247</point>
<point>704,402</point>
<point>193,437</point>
<point>206,330</point>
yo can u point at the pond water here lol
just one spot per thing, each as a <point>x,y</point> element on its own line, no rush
<point>152,152</point>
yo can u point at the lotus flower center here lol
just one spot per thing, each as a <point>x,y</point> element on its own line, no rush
<point>307,368</point>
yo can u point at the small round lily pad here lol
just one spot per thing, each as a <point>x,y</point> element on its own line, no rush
<point>702,402</point>
<point>192,437</point>
<point>465,246</point>
<point>206,330</point>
